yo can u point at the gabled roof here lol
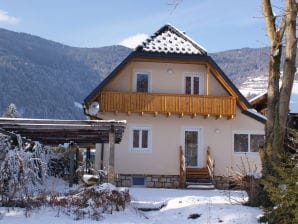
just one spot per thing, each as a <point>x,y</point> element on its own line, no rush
<point>145,52</point>
<point>169,39</point>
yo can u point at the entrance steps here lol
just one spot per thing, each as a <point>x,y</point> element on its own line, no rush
<point>198,178</point>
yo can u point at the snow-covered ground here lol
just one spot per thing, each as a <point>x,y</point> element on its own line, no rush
<point>254,86</point>
<point>212,206</point>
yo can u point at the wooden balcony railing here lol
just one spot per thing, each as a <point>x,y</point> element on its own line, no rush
<point>134,102</point>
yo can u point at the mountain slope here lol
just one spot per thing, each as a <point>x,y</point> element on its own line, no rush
<point>46,79</point>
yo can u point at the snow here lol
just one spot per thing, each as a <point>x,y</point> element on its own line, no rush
<point>171,40</point>
<point>254,86</point>
<point>253,111</point>
<point>213,206</point>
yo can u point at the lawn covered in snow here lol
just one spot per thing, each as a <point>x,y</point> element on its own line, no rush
<point>208,206</point>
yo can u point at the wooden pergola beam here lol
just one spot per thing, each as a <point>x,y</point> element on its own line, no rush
<point>55,132</point>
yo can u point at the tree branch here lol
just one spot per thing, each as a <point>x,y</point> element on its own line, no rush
<point>270,20</point>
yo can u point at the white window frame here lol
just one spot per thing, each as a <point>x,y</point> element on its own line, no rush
<point>149,143</point>
<point>249,133</point>
<point>201,80</point>
<point>136,72</point>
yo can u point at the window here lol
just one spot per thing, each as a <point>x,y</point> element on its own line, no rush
<point>247,142</point>
<point>140,138</point>
<point>138,181</point>
<point>193,84</point>
<point>142,82</point>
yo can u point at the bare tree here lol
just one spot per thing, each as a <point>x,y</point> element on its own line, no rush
<point>278,98</point>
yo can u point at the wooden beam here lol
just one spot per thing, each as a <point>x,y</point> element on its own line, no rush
<point>111,171</point>
<point>71,148</point>
<point>207,116</point>
<point>230,117</point>
<point>218,117</point>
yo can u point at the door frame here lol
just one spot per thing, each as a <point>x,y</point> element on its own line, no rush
<point>200,158</point>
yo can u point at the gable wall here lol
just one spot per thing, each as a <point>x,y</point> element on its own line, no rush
<point>162,81</point>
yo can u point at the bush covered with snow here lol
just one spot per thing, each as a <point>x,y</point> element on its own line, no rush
<point>22,172</point>
<point>91,202</point>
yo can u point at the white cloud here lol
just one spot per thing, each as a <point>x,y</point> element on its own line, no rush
<point>5,18</point>
<point>134,41</point>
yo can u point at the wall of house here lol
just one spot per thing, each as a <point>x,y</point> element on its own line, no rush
<point>167,136</point>
<point>163,81</point>
<point>167,132</point>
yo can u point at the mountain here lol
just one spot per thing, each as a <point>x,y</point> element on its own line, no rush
<point>46,79</point>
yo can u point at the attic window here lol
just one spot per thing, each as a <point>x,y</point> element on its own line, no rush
<point>142,82</point>
<point>194,84</point>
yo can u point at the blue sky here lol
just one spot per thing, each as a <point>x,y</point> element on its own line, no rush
<point>215,24</point>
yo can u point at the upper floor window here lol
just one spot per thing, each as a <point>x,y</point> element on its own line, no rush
<point>193,84</point>
<point>142,82</point>
<point>247,142</point>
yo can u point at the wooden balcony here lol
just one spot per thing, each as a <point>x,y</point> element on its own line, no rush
<point>163,103</point>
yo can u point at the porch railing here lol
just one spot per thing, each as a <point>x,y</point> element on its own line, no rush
<point>210,163</point>
<point>182,170</point>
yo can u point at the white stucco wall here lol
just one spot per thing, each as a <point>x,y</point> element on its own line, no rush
<point>167,131</point>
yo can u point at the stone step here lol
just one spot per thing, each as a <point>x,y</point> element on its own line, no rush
<point>200,186</point>
<point>203,180</point>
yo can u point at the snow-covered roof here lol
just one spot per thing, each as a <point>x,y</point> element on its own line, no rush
<point>169,39</point>
<point>294,98</point>
<point>255,113</point>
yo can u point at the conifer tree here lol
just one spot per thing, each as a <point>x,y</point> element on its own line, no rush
<point>11,111</point>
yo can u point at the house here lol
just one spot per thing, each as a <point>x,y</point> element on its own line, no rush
<point>181,111</point>
<point>259,103</point>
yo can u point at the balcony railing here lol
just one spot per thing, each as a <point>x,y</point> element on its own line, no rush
<point>134,102</point>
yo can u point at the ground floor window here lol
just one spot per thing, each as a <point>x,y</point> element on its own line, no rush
<point>247,142</point>
<point>140,138</point>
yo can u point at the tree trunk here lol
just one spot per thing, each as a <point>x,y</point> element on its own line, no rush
<point>272,128</point>
<point>278,98</point>
<point>289,63</point>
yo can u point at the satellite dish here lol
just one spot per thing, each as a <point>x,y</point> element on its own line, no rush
<point>93,108</point>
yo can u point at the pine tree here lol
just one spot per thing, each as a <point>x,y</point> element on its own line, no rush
<point>11,111</point>
<point>282,189</point>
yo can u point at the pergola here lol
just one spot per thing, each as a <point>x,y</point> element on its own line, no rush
<point>85,133</point>
<point>80,133</point>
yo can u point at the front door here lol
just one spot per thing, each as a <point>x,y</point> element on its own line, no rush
<point>193,147</point>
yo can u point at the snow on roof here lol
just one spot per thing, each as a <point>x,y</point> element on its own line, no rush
<point>258,96</point>
<point>253,111</point>
<point>294,98</point>
<point>169,39</point>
